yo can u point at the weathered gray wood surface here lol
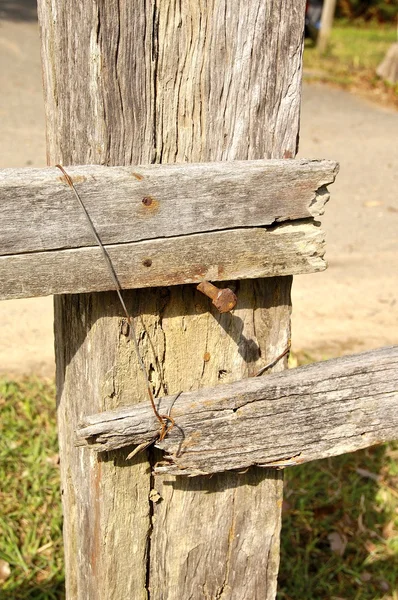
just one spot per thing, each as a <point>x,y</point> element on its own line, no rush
<point>129,204</point>
<point>288,418</point>
<point>288,249</point>
<point>129,83</point>
<point>209,221</point>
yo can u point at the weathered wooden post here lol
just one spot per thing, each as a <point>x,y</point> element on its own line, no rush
<point>135,83</point>
<point>180,84</point>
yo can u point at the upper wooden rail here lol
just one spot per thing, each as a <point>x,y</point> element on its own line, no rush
<point>311,412</point>
<point>161,224</point>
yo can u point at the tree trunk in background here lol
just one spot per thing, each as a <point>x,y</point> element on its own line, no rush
<point>129,83</point>
<point>388,68</point>
<point>329,7</point>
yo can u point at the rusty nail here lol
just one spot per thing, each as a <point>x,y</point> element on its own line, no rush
<point>223,299</point>
<point>147,201</point>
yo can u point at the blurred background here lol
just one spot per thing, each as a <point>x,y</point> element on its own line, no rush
<point>340,535</point>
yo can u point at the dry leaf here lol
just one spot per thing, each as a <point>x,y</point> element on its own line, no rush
<point>361,526</point>
<point>389,530</point>
<point>42,575</point>
<point>5,570</point>
<point>337,543</point>
<point>384,585</point>
<point>370,546</point>
<point>368,474</point>
<point>53,460</point>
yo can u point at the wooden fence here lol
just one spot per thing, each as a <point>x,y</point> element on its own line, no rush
<point>215,87</point>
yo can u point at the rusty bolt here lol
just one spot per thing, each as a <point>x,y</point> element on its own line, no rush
<point>224,300</point>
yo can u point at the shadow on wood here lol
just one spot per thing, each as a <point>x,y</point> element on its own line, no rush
<point>173,302</point>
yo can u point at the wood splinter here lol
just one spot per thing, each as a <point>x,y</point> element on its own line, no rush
<point>223,299</point>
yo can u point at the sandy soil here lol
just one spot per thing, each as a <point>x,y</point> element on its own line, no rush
<point>350,307</point>
<point>353,305</point>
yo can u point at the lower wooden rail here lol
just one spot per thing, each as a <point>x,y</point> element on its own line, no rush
<point>308,413</point>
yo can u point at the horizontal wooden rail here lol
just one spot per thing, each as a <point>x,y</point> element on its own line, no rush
<point>308,413</point>
<point>161,224</point>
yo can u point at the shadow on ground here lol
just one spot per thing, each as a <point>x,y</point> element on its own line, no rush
<point>18,10</point>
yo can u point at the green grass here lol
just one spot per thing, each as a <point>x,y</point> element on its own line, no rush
<point>30,512</point>
<point>360,508</point>
<point>354,498</point>
<point>352,58</point>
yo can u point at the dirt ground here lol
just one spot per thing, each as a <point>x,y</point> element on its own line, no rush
<point>350,307</point>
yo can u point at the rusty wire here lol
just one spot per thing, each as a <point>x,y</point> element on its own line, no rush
<point>166,421</point>
<point>273,362</point>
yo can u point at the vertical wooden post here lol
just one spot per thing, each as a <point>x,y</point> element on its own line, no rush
<point>150,81</point>
<point>328,10</point>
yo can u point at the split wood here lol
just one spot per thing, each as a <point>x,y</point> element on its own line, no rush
<point>308,413</point>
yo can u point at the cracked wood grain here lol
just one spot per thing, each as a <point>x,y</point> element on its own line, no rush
<point>164,82</point>
<point>130,204</point>
<point>197,222</point>
<point>287,249</point>
<point>289,418</point>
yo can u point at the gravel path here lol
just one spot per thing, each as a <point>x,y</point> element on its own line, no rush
<point>352,306</point>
